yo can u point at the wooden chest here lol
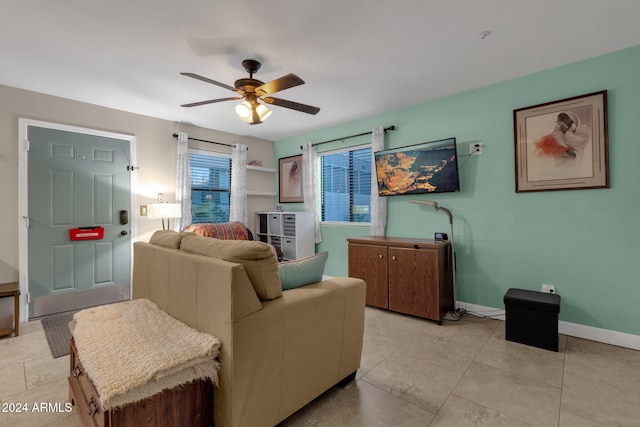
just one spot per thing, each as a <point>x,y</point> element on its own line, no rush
<point>186,405</point>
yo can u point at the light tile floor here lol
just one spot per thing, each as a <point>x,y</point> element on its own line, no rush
<point>414,373</point>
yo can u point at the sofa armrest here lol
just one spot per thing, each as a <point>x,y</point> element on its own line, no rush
<point>307,341</point>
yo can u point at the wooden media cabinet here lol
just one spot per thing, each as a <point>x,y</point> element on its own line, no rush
<point>411,276</point>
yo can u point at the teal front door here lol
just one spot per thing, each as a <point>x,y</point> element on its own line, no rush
<point>77,180</point>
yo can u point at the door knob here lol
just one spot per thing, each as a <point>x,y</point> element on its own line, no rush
<point>124,232</point>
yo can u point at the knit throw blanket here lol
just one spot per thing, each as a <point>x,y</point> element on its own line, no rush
<point>133,350</point>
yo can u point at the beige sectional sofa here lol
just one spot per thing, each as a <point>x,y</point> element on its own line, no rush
<point>280,350</point>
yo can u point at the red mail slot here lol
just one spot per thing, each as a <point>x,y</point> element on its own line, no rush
<point>86,233</point>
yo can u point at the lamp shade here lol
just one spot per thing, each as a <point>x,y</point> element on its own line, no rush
<point>252,113</point>
<point>243,110</point>
<point>164,210</point>
<point>263,112</point>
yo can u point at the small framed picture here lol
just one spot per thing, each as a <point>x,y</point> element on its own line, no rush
<point>562,145</point>
<point>279,208</point>
<point>290,179</point>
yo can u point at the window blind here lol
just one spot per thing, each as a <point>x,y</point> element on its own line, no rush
<point>210,187</point>
<point>345,182</point>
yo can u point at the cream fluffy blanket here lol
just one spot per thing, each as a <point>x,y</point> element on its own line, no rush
<point>133,350</point>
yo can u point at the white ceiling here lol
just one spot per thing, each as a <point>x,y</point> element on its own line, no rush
<point>358,57</point>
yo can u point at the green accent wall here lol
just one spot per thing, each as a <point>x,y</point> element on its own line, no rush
<point>585,242</point>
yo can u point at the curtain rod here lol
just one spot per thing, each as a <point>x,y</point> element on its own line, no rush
<point>347,137</point>
<point>175,135</point>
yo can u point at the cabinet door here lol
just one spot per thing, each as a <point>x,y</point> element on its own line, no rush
<point>413,282</point>
<point>369,263</point>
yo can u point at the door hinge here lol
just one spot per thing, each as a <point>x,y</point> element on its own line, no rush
<point>28,297</point>
<point>26,145</point>
<point>26,221</point>
<point>132,168</point>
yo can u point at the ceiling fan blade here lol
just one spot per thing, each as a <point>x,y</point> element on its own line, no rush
<point>211,101</point>
<point>282,83</point>
<point>213,82</point>
<point>292,105</point>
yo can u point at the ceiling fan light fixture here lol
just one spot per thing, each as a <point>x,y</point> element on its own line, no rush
<point>243,110</point>
<point>252,113</point>
<point>263,111</point>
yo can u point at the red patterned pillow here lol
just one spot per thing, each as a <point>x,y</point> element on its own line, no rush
<point>224,231</point>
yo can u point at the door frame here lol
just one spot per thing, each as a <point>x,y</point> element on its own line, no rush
<point>23,198</point>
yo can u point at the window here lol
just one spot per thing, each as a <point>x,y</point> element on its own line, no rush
<point>210,186</point>
<point>345,181</point>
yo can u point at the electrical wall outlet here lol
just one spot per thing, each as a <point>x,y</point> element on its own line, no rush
<point>475,148</point>
<point>548,289</point>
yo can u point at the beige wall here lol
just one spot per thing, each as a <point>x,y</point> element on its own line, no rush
<point>155,157</point>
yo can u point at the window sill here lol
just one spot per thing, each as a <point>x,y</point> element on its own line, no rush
<point>354,224</point>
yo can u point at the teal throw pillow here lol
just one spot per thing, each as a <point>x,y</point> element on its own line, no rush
<point>304,271</point>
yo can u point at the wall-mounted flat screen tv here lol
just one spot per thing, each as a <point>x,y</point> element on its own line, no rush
<point>429,167</point>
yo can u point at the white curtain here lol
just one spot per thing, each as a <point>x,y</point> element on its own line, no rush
<point>238,208</point>
<point>310,184</point>
<point>378,204</point>
<point>183,182</point>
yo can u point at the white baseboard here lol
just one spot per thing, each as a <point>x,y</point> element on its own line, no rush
<point>606,336</point>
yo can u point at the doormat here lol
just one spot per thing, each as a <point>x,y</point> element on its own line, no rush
<point>56,329</point>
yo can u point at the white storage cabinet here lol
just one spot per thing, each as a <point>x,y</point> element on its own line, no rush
<point>292,232</point>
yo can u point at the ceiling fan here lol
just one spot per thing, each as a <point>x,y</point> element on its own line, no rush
<point>253,90</point>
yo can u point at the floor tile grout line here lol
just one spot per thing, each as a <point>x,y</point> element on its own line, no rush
<point>407,341</point>
<point>24,375</point>
<point>564,367</point>
<point>453,389</point>
<point>397,397</point>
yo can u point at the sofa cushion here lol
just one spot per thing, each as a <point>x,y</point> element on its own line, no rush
<point>303,271</point>
<point>168,238</point>
<point>258,259</point>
